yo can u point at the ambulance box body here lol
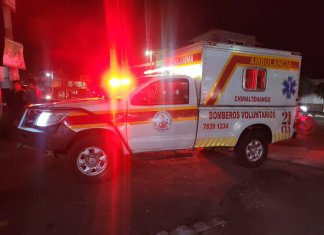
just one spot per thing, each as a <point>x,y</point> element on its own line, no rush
<point>238,87</point>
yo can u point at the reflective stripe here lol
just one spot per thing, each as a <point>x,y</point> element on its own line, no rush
<point>204,143</point>
<point>276,137</point>
<point>209,142</point>
<point>217,141</point>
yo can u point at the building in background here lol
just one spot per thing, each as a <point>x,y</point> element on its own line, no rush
<point>56,85</point>
<point>223,36</point>
<point>211,36</point>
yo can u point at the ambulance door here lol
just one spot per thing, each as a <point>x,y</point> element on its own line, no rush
<point>162,116</point>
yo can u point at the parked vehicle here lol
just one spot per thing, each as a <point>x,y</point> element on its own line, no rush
<point>213,96</point>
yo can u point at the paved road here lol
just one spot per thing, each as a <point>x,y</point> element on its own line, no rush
<point>157,193</point>
<point>39,197</point>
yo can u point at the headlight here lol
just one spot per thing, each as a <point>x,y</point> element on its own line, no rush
<point>47,118</point>
<point>303,108</point>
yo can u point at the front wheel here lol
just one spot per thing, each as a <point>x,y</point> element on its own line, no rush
<point>91,158</point>
<point>252,149</point>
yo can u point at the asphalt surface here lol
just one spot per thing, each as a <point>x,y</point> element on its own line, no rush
<point>304,150</point>
<point>168,194</point>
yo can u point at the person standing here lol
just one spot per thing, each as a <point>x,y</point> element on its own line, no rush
<point>33,94</point>
<point>16,103</point>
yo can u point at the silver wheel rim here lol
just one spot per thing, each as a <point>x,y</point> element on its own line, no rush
<point>254,150</point>
<point>92,161</point>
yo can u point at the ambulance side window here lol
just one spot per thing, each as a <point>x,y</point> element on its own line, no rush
<point>163,92</point>
<point>254,79</point>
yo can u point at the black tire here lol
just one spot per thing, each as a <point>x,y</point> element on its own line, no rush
<point>93,158</point>
<point>252,149</point>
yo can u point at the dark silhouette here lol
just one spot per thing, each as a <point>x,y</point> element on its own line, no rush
<point>33,94</point>
<point>15,106</point>
<point>16,103</point>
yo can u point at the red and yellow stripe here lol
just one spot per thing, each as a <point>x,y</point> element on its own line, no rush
<point>132,117</point>
<point>238,59</point>
<point>184,59</point>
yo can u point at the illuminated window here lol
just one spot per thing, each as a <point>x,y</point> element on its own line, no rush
<point>164,92</point>
<point>255,79</point>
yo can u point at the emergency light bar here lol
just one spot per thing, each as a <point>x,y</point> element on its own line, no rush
<point>194,70</point>
<point>115,82</point>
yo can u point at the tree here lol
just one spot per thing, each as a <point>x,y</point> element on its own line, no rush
<point>306,87</point>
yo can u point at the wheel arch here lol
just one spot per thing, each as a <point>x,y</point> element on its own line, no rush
<point>97,131</point>
<point>262,128</point>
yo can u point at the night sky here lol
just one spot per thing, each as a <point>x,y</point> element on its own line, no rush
<point>75,36</point>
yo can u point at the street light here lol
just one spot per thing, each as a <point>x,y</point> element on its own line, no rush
<point>50,76</point>
<point>150,54</point>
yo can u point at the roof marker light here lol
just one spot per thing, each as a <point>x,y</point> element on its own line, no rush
<point>114,82</point>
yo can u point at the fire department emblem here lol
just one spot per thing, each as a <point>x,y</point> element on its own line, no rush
<point>162,120</point>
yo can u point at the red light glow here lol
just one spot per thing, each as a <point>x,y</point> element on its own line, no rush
<point>116,81</point>
<point>118,78</point>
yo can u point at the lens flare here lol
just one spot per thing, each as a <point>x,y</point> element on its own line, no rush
<point>117,81</point>
<point>114,82</point>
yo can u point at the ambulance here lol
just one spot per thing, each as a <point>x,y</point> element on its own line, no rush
<point>206,95</point>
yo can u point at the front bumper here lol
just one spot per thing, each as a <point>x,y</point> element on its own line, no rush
<point>54,138</point>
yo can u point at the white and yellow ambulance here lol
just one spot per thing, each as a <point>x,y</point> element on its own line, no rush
<point>206,95</point>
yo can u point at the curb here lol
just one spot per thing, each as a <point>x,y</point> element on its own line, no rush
<point>200,227</point>
<point>297,155</point>
<point>286,153</point>
<point>314,158</point>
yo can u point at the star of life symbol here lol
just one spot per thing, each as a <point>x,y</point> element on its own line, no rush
<point>162,120</point>
<point>289,87</point>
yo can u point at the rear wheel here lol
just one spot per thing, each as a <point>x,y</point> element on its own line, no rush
<point>252,149</point>
<point>91,158</point>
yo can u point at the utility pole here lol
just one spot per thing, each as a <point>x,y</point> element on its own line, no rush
<point>7,21</point>
<point>8,33</point>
